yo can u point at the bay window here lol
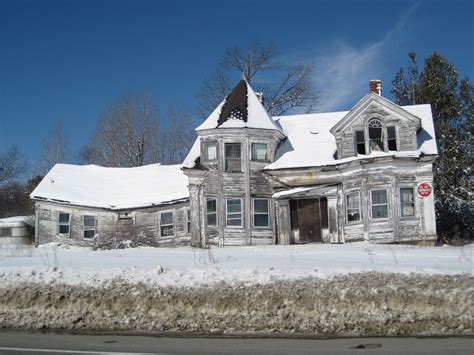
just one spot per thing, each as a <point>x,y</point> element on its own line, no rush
<point>353,207</point>
<point>379,202</point>
<point>233,157</point>
<point>234,212</point>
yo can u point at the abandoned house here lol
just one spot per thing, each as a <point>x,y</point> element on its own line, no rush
<point>252,179</point>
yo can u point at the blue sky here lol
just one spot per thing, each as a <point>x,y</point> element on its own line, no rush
<point>68,60</point>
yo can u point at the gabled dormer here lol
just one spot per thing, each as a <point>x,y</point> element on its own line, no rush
<point>375,124</point>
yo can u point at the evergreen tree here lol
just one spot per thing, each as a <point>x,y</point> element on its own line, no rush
<point>452,104</point>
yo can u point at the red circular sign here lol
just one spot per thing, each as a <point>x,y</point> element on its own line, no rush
<point>424,189</point>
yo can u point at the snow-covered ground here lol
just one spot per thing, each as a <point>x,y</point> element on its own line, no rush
<point>54,264</point>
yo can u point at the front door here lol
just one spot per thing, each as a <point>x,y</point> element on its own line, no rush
<point>306,220</point>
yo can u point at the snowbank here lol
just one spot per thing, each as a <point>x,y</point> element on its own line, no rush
<point>356,289</point>
<point>193,267</point>
<point>348,305</point>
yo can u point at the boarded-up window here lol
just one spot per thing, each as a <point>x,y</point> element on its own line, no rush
<point>407,202</point>
<point>233,158</point>
<point>353,207</point>
<point>379,204</point>
<point>64,221</point>
<point>166,224</point>
<point>261,213</point>
<point>211,212</point>
<point>234,212</point>
<point>89,227</point>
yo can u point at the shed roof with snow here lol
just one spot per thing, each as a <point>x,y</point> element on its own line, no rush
<point>113,188</point>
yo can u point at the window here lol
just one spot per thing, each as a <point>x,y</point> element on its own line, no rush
<point>232,157</point>
<point>188,220</point>
<point>353,207</point>
<point>234,212</point>
<point>210,151</point>
<point>166,224</point>
<point>391,138</point>
<point>407,202</point>
<point>5,232</point>
<point>211,212</point>
<point>360,142</point>
<point>379,204</point>
<point>259,151</point>
<point>261,215</point>
<point>64,223</point>
<point>88,227</point>
<point>375,135</point>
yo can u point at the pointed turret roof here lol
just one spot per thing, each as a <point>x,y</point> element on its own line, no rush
<point>241,108</point>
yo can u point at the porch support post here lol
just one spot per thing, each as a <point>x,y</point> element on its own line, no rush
<point>284,227</point>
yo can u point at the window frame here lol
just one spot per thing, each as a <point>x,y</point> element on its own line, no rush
<point>266,159</point>
<point>357,143</point>
<point>392,139</point>
<point>206,145</point>
<point>187,213</point>
<point>382,134</point>
<point>207,213</point>
<point>227,213</point>
<point>359,208</point>
<point>372,205</point>
<point>84,229</point>
<point>261,213</point>
<point>226,168</point>
<point>167,225</point>
<point>68,234</point>
<point>401,203</point>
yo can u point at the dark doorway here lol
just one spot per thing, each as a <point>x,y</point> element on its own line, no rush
<point>308,217</point>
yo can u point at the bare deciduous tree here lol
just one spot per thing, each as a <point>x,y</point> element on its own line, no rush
<point>132,133</point>
<point>123,134</point>
<point>12,164</point>
<point>179,135</point>
<point>285,87</point>
<point>54,148</point>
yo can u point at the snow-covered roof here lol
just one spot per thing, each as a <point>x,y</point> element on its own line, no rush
<point>113,188</point>
<point>241,108</point>
<point>311,144</point>
<point>18,221</point>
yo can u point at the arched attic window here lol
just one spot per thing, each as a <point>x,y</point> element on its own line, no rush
<point>375,128</point>
<point>375,137</point>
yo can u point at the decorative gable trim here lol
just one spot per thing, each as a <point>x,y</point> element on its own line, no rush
<point>235,106</point>
<point>365,103</point>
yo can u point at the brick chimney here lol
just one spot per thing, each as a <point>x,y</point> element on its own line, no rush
<point>376,86</point>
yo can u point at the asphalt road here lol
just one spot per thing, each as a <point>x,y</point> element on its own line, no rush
<point>37,343</point>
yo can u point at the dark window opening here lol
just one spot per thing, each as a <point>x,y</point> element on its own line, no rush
<point>360,142</point>
<point>391,138</point>
<point>375,135</point>
<point>211,212</point>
